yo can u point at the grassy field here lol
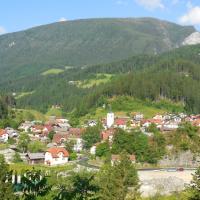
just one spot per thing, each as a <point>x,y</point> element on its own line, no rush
<point>21,167</point>
<point>131,106</point>
<point>128,106</point>
<point>30,115</point>
<point>99,79</point>
<point>54,112</point>
<point>52,71</point>
<point>23,94</point>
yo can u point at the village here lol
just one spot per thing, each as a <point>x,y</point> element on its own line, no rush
<point>55,132</point>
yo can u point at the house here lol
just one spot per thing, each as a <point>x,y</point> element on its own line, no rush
<point>75,135</point>
<point>196,123</point>
<point>3,136</point>
<point>11,132</point>
<point>121,123</point>
<point>148,122</point>
<point>93,149</point>
<point>169,126</point>
<point>56,156</point>
<point>117,158</point>
<point>59,129</point>
<point>76,132</point>
<point>107,135</point>
<point>47,129</point>
<point>138,117</point>
<point>37,129</point>
<point>92,123</point>
<point>63,123</point>
<point>159,117</point>
<point>60,138</point>
<point>35,158</point>
<point>78,146</point>
<point>26,126</point>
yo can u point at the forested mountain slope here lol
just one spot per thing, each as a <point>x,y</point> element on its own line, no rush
<point>174,75</point>
<point>85,42</point>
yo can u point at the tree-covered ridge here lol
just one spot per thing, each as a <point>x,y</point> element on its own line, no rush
<point>85,42</point>
<point>173,75</point>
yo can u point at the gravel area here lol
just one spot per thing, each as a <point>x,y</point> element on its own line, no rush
<point>163,182</point>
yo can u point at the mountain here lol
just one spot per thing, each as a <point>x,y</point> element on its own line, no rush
<point>85,42</point>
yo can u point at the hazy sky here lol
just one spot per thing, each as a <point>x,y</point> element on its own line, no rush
<point>18,15</point>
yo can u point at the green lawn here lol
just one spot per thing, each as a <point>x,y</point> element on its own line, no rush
<point>99,79</point>
<point>55,112</point>
<point>52,71</point>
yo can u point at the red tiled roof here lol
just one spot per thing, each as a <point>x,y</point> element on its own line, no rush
<point>2,132</point>
<point>120,121</point>
<point>56,150</point>
<point>58,137</point>
<point>196,122</point>
<point>76,132</point>
<point>105,134</point>
<point>48,127</point>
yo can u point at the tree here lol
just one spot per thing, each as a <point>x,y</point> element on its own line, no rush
<point>73,156</point>
<point>17,158</point>
<point>23,142</point>
<point>82,187</point>
<point>6,187</point>
<point>194,189</point>
<point>36,146</point>
<point>117,181</point>
<point>91,136</point>
<point>3,109</point>
<point>51,134</point>
<point>69,144</point>
<point>103,149</point>
<point>34,184</point>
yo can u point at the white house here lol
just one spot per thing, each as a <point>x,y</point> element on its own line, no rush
<point>78,146</point>
<point>3,135</point>
<point>56,156</point>
<point>92,123</point>
<point>93,150</point>
<point>110,119</point>
<point>26,126</point>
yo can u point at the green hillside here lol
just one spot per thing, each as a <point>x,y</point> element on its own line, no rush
<point>84,42</point>
<point>174,75</point>
<point>128,106</point>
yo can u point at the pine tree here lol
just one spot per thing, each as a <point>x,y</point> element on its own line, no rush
<point>117,181</point>
<point>34,185</point>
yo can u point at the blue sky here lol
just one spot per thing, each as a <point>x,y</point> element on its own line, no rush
<point>18,15</point>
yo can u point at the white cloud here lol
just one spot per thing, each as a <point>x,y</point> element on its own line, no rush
<point>62,19</point>
<point>151,4</point>
<point>2,30</point>
<point>192,17</point>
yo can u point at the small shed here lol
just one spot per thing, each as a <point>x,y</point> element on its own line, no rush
<point>35,158</point>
